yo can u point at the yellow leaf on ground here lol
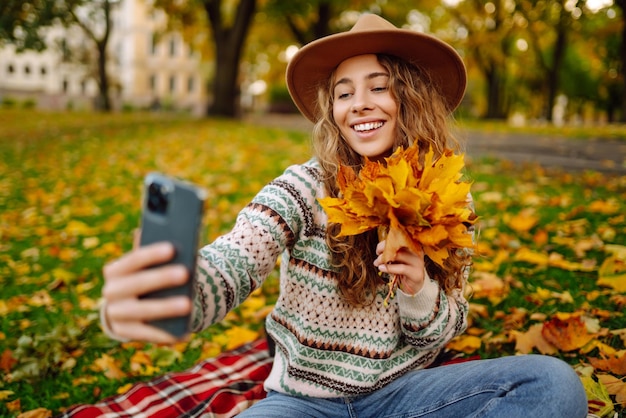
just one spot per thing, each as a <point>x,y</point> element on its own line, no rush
<point>532,257</point>
<point>533,338</point>
<point>615,387</point>
<point>566,334</point>
<point>598,398</point>
<point>109,366</point>
<point>612,272</point>
<point>523,221</point>
<point>465,343</point>
<point>36,413</point>
<point>6,394</point>
<point>237,336</point>
<point>123,389</point>
<point>488,285</point>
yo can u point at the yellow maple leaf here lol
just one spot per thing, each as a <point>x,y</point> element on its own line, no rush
<point>523,221</point>
<point>237,336</point>
<point>109,366</point>
<point>597,397</point>
<point>36,413</point>
<point>612,272</point>
<point>465,343</point>
<point>418,205</point>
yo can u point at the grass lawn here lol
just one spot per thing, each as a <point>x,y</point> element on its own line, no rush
<point>549,276</point>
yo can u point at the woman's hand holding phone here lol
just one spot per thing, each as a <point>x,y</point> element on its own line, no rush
<point>127,279</point>
<point>148,292</point>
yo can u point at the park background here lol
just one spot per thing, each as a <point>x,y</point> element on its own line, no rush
<point>550,276</point>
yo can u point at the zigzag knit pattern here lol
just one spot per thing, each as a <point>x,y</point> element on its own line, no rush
<point>325,346</point>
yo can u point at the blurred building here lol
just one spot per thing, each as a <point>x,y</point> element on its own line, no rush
<point>147,67</point>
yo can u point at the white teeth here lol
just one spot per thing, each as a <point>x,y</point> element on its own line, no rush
<point>367,126</point>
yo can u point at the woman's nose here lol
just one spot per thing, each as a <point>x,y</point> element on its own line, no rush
<point>360,103</point>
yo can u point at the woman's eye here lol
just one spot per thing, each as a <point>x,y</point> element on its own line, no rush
<point>379,89</point>
<point>343,95</point>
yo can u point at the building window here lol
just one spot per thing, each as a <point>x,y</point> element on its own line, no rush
<point>153,83</point>
<point>153,44</point>
<point>191,84</point>
<point>10,69</point>
<point>172,84</point>
<point>43,71</point>
<point>65,85</point>
<point>65,50</point>
<point>27,69</point>
<point>172,47</point>
<point>83,87</point>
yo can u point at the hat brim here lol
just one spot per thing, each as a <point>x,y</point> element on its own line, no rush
<point>314,62</point>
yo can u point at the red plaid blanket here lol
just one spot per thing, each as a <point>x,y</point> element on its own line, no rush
<point>219,387</point>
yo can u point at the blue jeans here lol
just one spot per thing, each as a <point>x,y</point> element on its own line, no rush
<point>528,386</point>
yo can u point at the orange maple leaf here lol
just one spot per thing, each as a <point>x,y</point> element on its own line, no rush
<point>420,206</point>
<point>109,366</point>
<point>614,364</point>
<point>614,386</point>
<point>533,338</point>
<point>566,333</point>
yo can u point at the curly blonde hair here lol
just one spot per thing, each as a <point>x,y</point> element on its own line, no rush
<point>422,116</point>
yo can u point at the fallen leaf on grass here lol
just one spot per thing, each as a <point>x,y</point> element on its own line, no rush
<point>566,334</point>
<point>7,361</point>
<point>36,413</point>
<point>613,364</point>
<point>109,366</point>
<point>598,400</point>
<point>612,273</point>
<point>465,343</point>
<point>533,338</point>
<point>615,387</point>
<point>523,221</point>
<point>488,285</point>
<point>6,394</point>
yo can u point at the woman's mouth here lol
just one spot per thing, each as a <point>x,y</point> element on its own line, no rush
<point>368,126</point>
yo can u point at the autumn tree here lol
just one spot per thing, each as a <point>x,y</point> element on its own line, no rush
<point>490,38</point>
<point>94,18</point>
<point>228,22</point>
<point>549,27</point>
<point>23,23</point>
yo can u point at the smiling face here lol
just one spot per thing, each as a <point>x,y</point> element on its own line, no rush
<point>363,107</point>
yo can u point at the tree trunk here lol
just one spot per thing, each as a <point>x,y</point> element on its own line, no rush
<point>104,100</point>
<point>622,5</point>
<point>229,43</point>
<point>495,102</point>
<point>552,76</point>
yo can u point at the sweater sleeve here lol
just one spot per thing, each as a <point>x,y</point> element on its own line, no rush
<point>431,318</point>
<point>237,263</point>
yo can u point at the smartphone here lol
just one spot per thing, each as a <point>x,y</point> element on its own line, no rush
<point>172,210</point>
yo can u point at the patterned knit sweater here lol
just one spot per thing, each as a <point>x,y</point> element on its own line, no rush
<point>324,346</point>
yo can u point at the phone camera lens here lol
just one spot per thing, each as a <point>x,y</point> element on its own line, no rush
<point>157,198</point>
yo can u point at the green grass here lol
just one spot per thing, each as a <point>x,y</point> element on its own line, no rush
<point>69,202</point>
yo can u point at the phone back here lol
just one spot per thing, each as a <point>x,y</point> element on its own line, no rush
<point>172,211</point>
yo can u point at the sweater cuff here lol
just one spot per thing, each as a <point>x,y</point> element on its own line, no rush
<point>106,328</point>
<point>423,302</point>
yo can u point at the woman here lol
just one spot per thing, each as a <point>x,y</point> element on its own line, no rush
<point>341,351</point>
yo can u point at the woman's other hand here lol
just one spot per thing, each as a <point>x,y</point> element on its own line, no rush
<point>408,266</point>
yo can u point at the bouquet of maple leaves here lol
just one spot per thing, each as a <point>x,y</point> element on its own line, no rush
<point>415,206</point>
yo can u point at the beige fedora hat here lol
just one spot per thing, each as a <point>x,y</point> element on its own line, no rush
<point>313,63</point>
